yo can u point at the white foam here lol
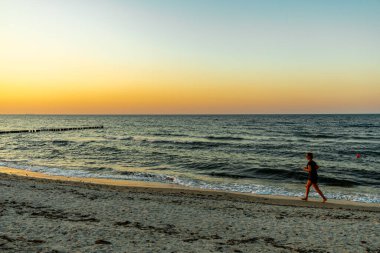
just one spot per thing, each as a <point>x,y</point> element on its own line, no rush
<point>233,187</point>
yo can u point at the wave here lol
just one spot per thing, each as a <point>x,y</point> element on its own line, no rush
<point>61,142</point>
<point>55,153</point>
<point>171,134</point>
<point>275,190</point>
<point>363,125</point>
<point>228,175</point>
<point>337,182</point>
<point>187,143</point>
<point>224,138</point>
<point>110,150</point>
<point>211,137</point>
<point>372,175</point>
<point>147,176</point>
<point>21,148</point>
<point>279,174</point>
<point>370,138</point>
<point>283,175</point>
<point>208,166</point>
<point>318,136</point>
<point>120,138</point>
<point>101,169</point>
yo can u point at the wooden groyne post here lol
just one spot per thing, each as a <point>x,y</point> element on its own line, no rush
<point>51,129</point>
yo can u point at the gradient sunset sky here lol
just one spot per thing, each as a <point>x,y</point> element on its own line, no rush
<point>195,56</point>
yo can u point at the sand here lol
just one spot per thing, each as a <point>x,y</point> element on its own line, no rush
<point>40,213</point>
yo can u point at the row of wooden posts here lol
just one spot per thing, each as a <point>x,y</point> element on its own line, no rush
<point>50,129</point>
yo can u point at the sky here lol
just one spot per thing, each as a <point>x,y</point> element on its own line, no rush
<point>189,57</point>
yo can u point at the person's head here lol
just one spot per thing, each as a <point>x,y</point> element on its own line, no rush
<point>309,156</point>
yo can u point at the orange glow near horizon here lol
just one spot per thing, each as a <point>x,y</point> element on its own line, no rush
<point>185,93</point>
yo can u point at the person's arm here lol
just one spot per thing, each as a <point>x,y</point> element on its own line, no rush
<point>308,168</point>
<point>316,166</point>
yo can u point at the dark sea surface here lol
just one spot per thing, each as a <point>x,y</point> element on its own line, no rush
<point>261,154</point>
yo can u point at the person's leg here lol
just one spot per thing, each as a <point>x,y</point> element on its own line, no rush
<point>315,185</point>
<point>308,185</point>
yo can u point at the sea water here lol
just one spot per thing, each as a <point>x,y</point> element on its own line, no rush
<point>261,154</point>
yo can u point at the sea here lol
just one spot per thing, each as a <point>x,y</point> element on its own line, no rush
<point>261,154</point>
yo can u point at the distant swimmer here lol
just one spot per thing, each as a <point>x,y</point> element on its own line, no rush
<point>312,179</point>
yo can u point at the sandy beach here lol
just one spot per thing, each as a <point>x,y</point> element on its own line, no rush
<point>40,213</point>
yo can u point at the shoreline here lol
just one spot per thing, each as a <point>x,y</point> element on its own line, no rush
<point>173,188</point>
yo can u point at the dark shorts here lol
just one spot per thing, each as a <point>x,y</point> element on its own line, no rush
<point>314,180</point>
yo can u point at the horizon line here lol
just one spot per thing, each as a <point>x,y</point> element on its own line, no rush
<point>176,114</point>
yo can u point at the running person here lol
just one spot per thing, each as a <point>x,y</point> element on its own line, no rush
<point>312,179</point>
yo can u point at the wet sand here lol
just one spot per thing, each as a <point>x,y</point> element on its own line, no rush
<point>41,213</point>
